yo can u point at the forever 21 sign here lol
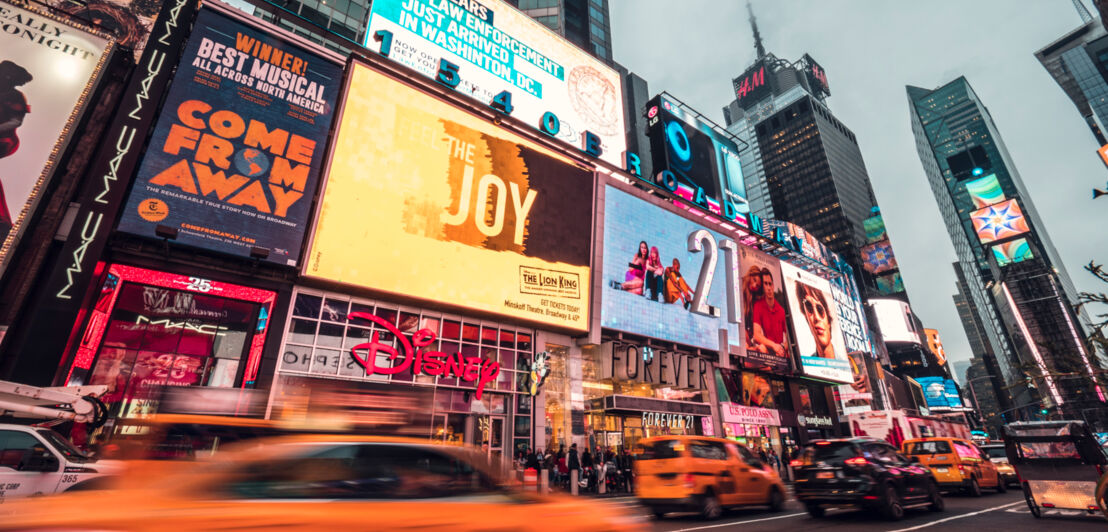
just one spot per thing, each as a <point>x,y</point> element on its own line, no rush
<point>622,361</point>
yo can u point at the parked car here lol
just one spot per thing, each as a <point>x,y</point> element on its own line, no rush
<point>39,461</point>
<point>863,473</point>
<point>957,464</point>
<point>702,474</point>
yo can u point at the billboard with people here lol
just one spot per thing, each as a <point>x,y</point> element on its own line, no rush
<point>765,315</point>
<point>818,338</point>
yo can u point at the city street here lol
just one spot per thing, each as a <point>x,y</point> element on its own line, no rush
<point>999,512</point>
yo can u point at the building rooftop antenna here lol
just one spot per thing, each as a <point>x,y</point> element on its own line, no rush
<point>1077,4</point>
<point>758,36</point>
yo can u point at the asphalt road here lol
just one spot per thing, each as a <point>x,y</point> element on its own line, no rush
<point>991,512</point>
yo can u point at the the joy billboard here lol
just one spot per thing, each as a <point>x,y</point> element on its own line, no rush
<point>428,201</point>
<point>47,70</point>
<point>765,312</point>
<point>236,154</point>
<point>497,48</point>
<point>651,277</point>
<point>816,324</point>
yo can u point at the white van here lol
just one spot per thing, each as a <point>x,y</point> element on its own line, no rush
<point>39,461</point>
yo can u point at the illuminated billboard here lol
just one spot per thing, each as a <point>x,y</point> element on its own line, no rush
<point>985,191</point>
<point>878,257</point>
<point>765,311</point>
<point>800,240</point>
<point>875,229</point>
<point>754,84</point>
<point>47,71</point>
<point>815,322</point>
<point>890,284</point>
<point>703,157</point>
<point>651,277</point>
<point>817,76</point>
<point>497,48</point>
<point>999,222</point>
<point>852,318</point>
<point>236,153</point>
<point>940,393</point>
<point>894,317</point>
<point>935,344</point>
<point>1011,252</point>
<point>444,206</point>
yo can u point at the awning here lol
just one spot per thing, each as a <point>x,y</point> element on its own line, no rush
<point>635,405</point>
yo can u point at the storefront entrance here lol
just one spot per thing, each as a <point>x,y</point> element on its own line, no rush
<point>477,430</point>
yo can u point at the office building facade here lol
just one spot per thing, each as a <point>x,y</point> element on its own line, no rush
<point>585,23</point>
<point>1010,269</point>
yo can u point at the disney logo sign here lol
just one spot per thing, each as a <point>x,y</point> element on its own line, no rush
<point>413,355</point>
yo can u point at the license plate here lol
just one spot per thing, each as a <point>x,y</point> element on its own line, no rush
<point>825,475</point>
<point>942,469</point>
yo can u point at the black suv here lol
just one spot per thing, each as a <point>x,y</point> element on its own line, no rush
<point>865,473</point>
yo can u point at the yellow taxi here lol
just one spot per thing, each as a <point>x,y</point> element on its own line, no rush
<point>998,456</point>
<point>704,475</point>
<point>321,482</point>
<point>956,464</point>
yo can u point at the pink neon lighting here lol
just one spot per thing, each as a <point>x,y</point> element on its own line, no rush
<point>98,322</point>
<point>1080,345</point>
<point>1034,350</point>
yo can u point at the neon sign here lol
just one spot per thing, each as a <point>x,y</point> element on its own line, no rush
<point>419,360</point>
<point>750,82</point>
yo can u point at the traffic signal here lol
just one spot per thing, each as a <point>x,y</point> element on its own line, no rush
<point>1044,411</point>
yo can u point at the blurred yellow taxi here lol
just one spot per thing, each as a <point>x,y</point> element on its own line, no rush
<point>314,482</point>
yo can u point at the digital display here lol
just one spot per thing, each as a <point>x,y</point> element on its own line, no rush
<point>1011,252</point>
<point>894,317</point>
<point>985,191</point>
<point>852,318</point>
<point>765,312</point>
<point>497,48</point>
<point>650,276</point>
<point>46,68</point>
<point>815,322</point>
<point>940,393</point>
<point>703,157</point>
<point>999,222</point>
<point>875,229</point>
<point>878,257</point>
<point>803,241</point>
<point>236,153</point>
<point>858,395</point>
<point>753,85</point>
<point>890,284</point>
<point>455,210</point>
<point>817,76</point>
<point>935,344</point>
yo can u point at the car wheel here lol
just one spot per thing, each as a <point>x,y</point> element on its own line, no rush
<point>658,514</point>
<point>815,510</point>
<point>1031,505</point>
<point>776,500</point>
<point>710,507</point>
<point>893,510</point>
<point>936,498</point>
<point>974,488</point>
<point>1001,485</point>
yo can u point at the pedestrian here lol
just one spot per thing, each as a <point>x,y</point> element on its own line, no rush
<point>574,463</point>
<point>563,468</point>
<point>532,461</point>
<point>762,455</point>
<point>587,465</point>
<point>626,465</point>
<point>775,460</point>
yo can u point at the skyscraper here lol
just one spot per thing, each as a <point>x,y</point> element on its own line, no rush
<point>1022,293</point>
<point>1078,61</point>
<point>582,22</point>
<point>805,165</point>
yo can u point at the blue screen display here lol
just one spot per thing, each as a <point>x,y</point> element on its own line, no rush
<point>641,302</point>
<point>940,392</point>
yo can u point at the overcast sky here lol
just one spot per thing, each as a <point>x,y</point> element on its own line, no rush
<point>871,49</point>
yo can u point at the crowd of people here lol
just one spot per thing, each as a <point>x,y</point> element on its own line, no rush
<point>594,468</point>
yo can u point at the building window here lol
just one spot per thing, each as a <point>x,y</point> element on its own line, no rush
<point>601,51</point>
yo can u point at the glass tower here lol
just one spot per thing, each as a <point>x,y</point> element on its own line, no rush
<point>1019,288</point>
<point>582,22</point>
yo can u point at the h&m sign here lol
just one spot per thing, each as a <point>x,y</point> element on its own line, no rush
<point>623,361</point>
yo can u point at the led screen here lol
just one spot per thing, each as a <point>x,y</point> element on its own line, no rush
<point>815,322</point>
<point>1011,252</point>
<point>875,229</point>
<point>940,393</point>
<point>890,284</point>
<point>236,153</point>
<point>454,210</point>
<point>802,241</point>
<point>852,318</point>
<point>765,311</point>
<point>894,317</point>
<point>878,257</point>
<point>46,71</point>
<point>497,48</point>
<point>858,395</point>
<point>999,222</point>
<point>985,191</point>
<point>650,275</point>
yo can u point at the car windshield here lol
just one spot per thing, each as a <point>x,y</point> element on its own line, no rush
<point>995,452</point>
<point>833,453</point>
<point>929,447</point>
<point>660,450</point>
<point>63,446</point>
